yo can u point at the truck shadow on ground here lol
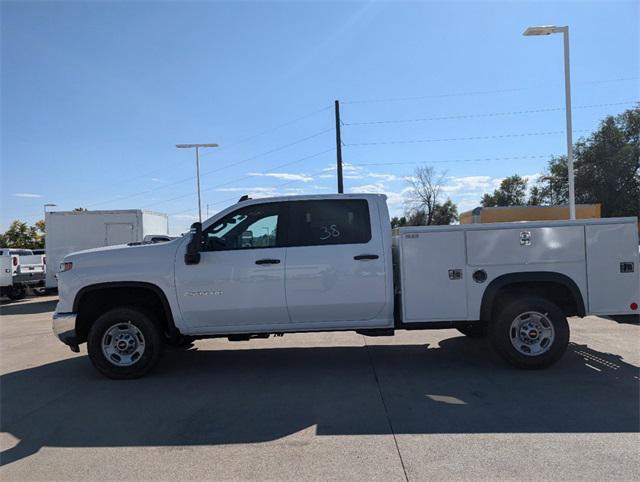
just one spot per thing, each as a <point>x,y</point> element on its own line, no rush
<point>203,397</point>
<point>27,306</point>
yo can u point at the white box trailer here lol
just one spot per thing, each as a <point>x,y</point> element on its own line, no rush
<point>71,231</point>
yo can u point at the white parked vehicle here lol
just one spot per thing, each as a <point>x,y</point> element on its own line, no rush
<point>27,271</point>
<point>6,275</point>
<point>318,263</point>
<point>69,231</point>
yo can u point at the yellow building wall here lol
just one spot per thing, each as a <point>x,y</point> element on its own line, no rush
<point>466,218</point>
<point>531,213</point>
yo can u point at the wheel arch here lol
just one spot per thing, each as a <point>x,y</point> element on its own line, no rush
<point>121,293</point>
<point>542,283</point>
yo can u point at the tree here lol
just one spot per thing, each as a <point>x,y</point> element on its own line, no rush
<point>426,185</point>
<point>426,207</point>
<point>536,196</point>
<point>606,168</point>
<point>21,235</point>
<point>512,192</point>
<point>417,217</point>
<point>397,222</point>
<point>446,213</point>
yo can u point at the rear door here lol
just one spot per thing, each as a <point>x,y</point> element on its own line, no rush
<point>335,267</point>
<point>119,233</point>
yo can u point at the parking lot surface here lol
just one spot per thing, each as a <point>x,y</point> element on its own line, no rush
<point>424,404</point>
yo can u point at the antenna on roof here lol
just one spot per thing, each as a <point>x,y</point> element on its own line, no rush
<point>244,198</point>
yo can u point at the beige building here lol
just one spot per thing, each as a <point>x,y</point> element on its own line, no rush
<point>527,213</point>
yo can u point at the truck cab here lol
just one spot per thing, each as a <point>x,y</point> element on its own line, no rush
<point>331,262</point>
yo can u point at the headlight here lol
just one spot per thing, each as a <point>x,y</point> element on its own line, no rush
<point>65,266</point>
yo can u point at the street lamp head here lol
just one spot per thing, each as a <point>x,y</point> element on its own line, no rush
<point>50,205</point>
<point>543,30</point>
<point>187,146</point>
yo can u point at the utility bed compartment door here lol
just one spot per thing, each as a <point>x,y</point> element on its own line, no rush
<point>525,245</point>
<point>433,285</point>
<point>612,268</point>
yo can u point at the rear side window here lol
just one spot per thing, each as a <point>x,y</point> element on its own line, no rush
<point>314,223</point>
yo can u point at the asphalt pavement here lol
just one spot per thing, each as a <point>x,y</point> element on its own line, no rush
<point>419,405</point>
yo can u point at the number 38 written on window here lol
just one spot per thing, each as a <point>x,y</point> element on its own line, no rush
<point>327,232</point>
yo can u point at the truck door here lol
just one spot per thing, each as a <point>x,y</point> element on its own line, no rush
<point>118,233</point>
<point>335,262</point>
<point>240,278</point>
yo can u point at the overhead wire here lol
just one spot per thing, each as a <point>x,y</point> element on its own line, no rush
<point>211,171</point>
<point>228,146</point>
<point>248,176</point>
<point>277,186</point>
<point>479,159</point>
<point>486,114</point>
<point>472,93</point>
<point>451,139</point>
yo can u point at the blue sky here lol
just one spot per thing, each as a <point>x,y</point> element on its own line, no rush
<point>96,94</point>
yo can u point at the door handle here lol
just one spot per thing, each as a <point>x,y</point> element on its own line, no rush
<point>268,261</point>
<point>366,256</point>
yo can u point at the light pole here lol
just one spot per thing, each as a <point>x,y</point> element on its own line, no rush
<point>197,146</point>
<point>548,30</point>
<point>48,205</point>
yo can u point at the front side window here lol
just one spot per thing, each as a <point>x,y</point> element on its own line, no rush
<point>329,222</point>
<point>251,227</point>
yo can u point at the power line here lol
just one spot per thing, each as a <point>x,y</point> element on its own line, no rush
<point>227,146</point>
<point>488,114</point>
<point>473,93</point>
<point>451,139</point>
<point>244,177</point>
<point>268,187</point>
<point>190,178</point>
<point>480,159</point>
<point>275,128</point>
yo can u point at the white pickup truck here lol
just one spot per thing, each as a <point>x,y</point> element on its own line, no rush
<point>27,272</point>
<point>323,263</point>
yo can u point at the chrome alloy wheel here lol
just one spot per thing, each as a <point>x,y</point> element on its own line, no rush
<point>532,333</point>
<point>123,344</point>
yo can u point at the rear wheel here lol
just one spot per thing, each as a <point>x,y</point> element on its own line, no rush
<point>530,332</point>
<point>16,293</point>
<point>124,343</point>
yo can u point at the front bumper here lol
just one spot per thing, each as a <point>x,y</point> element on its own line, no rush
<point>64,327</point>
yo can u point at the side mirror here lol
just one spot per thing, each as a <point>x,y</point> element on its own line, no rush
<point>192,256</point>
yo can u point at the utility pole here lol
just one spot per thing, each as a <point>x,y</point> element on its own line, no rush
<point>339,149</point>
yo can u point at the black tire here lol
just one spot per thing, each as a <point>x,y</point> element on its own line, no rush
<point>474,331</point>
<point>501,332</point>
<point>151,337</point>
<point>16,293</point>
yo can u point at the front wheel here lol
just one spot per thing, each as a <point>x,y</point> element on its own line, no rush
<point>124,343</point>
<point>530,332</point>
